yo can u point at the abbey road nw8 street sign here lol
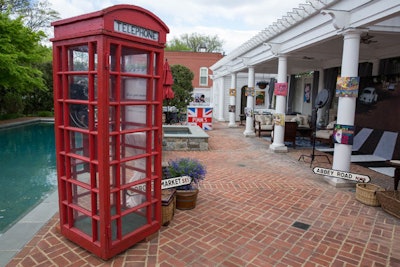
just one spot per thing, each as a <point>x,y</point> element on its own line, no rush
<point>341,174</point>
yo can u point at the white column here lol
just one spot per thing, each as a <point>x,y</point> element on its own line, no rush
<point>279,131</point>
<point>221,94</point>
<point>232,101</point>
<point>249,131</point>
<point>375,67</point>
<point>346,105</point>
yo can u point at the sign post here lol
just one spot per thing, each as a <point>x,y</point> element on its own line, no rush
<point>342,174</point>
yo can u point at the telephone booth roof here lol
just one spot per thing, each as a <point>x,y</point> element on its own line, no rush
<point>126,21</point>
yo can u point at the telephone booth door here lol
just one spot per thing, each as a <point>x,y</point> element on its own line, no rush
<point>108,126</point>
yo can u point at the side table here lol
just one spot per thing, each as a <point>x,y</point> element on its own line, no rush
<point>396,164</point>
<point>242,118</point>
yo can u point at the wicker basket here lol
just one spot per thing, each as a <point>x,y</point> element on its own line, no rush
<point>366,193</point>
<point>390,202</point>
<point>168,206</point>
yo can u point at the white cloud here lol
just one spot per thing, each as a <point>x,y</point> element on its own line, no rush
<point>233,21</point>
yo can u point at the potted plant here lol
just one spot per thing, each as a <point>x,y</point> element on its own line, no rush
<point>186,195</point>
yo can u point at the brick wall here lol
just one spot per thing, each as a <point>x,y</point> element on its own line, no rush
<point>194,61</point>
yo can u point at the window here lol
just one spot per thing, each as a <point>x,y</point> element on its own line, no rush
<point>203,76</point>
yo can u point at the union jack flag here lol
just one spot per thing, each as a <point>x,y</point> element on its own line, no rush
<point>200,116</point>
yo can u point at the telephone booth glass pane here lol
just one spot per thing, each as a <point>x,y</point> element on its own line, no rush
<point>134,61</point>
<point>78,58</point>
<point>134,89</point>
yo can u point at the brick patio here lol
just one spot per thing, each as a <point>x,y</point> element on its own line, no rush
<point>244,217</point>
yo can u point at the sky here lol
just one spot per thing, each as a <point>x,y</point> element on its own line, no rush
<point>234,21</point>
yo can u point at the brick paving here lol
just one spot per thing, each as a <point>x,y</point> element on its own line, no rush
<point>245,216</point>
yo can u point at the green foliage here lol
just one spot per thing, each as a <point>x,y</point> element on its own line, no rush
<point>37,100</point>
<point>10,116</point>
<point>45,114</point>
<point>177,45</point>
<point>19,52</point>
<point>23,62</point>
<point>194,42</point>
<point>182,87</point>
<point>13,103</point>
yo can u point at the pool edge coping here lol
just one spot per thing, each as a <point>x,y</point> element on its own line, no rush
<point>15,123</point>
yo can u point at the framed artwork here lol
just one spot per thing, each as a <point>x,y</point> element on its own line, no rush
<point>343,134</point>
<point>279,119</point>
<point>307,93</point>
<point>347,86</point>
<point>281,89</point>
<point>248,111</point>
<point>249,91</point>
<point>260,98</point>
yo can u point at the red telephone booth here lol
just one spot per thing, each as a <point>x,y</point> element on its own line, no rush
<point>108,123</point>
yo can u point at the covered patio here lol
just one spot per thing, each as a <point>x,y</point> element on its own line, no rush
<point>326,39</point>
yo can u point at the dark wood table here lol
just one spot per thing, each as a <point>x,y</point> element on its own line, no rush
<point>242,118</point>
<point>304,132</point>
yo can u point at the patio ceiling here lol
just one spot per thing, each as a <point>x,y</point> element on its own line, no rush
<point>328,53</point>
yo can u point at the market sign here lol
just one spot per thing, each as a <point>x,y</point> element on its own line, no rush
<point>341,174</point>
<point>175,182</point>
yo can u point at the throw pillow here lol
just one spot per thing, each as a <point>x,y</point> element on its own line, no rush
<point>331,125</point>
<point>268,120</point>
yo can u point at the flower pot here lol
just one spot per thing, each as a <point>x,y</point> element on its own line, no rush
<point>262,85</point>
<point>186,199</point>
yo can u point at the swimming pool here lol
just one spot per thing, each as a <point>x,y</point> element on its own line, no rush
<point>27,169</point>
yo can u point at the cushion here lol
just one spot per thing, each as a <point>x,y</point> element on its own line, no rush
<point>260,118</point>
<point>263,119</point>
<point>268,119</point>
<point>331,125</point>
<point>299,120</point>
<point>324,134</point>
<point>303,119</point>
<point>267,127</point>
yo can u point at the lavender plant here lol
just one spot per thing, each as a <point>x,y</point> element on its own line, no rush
<point>187,167</point>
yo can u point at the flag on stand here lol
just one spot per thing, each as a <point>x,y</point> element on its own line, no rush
<point>200,116</point>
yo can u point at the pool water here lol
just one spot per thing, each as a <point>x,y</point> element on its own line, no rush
<point>27,169</point>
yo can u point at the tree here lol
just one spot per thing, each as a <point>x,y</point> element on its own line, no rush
<point>20,55</point>
<point>25,64</point>
<point>13,6</point>
<point>177,45</point>
<point>195,42</point>
<point>182,87</point>
<point>36,15</point>
<point>41,100</point>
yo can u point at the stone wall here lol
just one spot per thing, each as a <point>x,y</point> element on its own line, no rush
<point>185,144</point>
